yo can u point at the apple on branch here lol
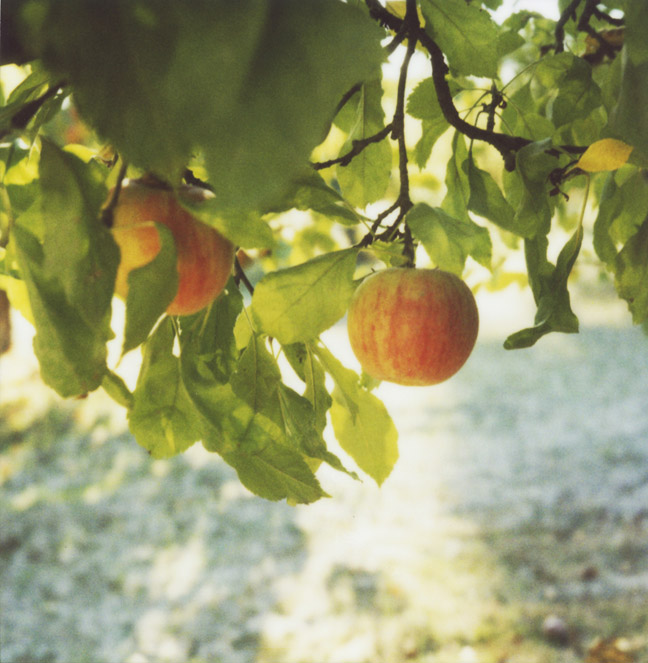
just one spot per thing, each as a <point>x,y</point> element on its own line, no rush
<point>412,326</point>
<point>204,257</point>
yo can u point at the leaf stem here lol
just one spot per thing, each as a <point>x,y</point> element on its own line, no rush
<point>585,197</point>
<point>240,276</point>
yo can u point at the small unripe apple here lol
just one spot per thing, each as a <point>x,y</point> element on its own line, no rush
<point>204,256</point>
<point>412,326</point>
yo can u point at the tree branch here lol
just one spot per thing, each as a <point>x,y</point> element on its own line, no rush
<point>358,146</point>
<point>568,12</point>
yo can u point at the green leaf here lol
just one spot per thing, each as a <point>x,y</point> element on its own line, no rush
<point>311,192</point>
<point>610,207</point>
<point>361,422</point>
<point>300,423</point>
<point>276,472</point>
<point>18,103</point>
<point>629,118</point>
<point>449,241</point>
<point>77,248</point>
<point>465,33</point>
<point>621,212</point>
<point>208,353</point>
<point>257,378</point>
<point>631,279</point>
<point>487,200</point>
<point>577,95</point>
<point>527,189</point>
<point>424,105</point>
<point>243,228</point>
<point>265,79</point>
<point>163,418</point>
<point>457,197</point>
<point>310,371</point>
<point>71,354</point>
<point>231,415</point>
<point>116,388</point>
<point>365,179</point>
<point>298,303</point>
<point>151,289</point>
<point>549,286</point>
<point>70,276</point>
<point>636,28</point>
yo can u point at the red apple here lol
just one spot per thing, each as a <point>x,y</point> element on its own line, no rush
<point>204,256</point>
<point>412,326</point>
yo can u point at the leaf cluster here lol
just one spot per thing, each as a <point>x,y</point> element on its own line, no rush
<point>323,165</point>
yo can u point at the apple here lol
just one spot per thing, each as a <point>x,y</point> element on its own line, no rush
<point>204,257</point>
<point>412,326</point>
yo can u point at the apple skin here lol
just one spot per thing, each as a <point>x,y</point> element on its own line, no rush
<point>204,257</point>
<point>410,326</point>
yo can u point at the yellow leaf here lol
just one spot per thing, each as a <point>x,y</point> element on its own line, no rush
<point>606,154</point>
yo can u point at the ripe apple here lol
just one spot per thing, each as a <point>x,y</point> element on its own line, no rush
<point>412,326</point>
<point>204,256</point>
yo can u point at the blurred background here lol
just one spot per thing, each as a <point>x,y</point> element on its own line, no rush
<point>514,527</point>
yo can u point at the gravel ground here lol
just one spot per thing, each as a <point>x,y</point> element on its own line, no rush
<point>521,492</point>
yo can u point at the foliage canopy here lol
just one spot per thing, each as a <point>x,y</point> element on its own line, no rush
<point>321,164</point>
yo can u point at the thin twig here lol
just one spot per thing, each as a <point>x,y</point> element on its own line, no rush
<point>358,146</point>
<point>568,12</point>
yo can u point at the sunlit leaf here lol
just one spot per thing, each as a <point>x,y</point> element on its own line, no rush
<point>449,241</point>
<point>456,199</point>
<point>487,200</point>
<point>70,275</point>
<point>365,179</point>
<point>629,118</point>
<point>163,418</point>
<point>424,105</point>
<point>604,154</point>
<point>276,472</point>
<point>466,34</point>
<point>549,286</point>
<point>298,303</point>
<point>360,420</point>
<point>631,277</point>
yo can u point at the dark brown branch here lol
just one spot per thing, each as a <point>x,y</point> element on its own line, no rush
<point>398,132</point>
<point>357,147</point>
<point>506,144</point>
<point>569,12</point>
<point>602,16</point>
<point>584,26</point>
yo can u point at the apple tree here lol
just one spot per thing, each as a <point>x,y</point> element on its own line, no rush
<point>315,130</point>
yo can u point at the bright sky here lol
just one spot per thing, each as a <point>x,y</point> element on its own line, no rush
<point>548,8</point>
